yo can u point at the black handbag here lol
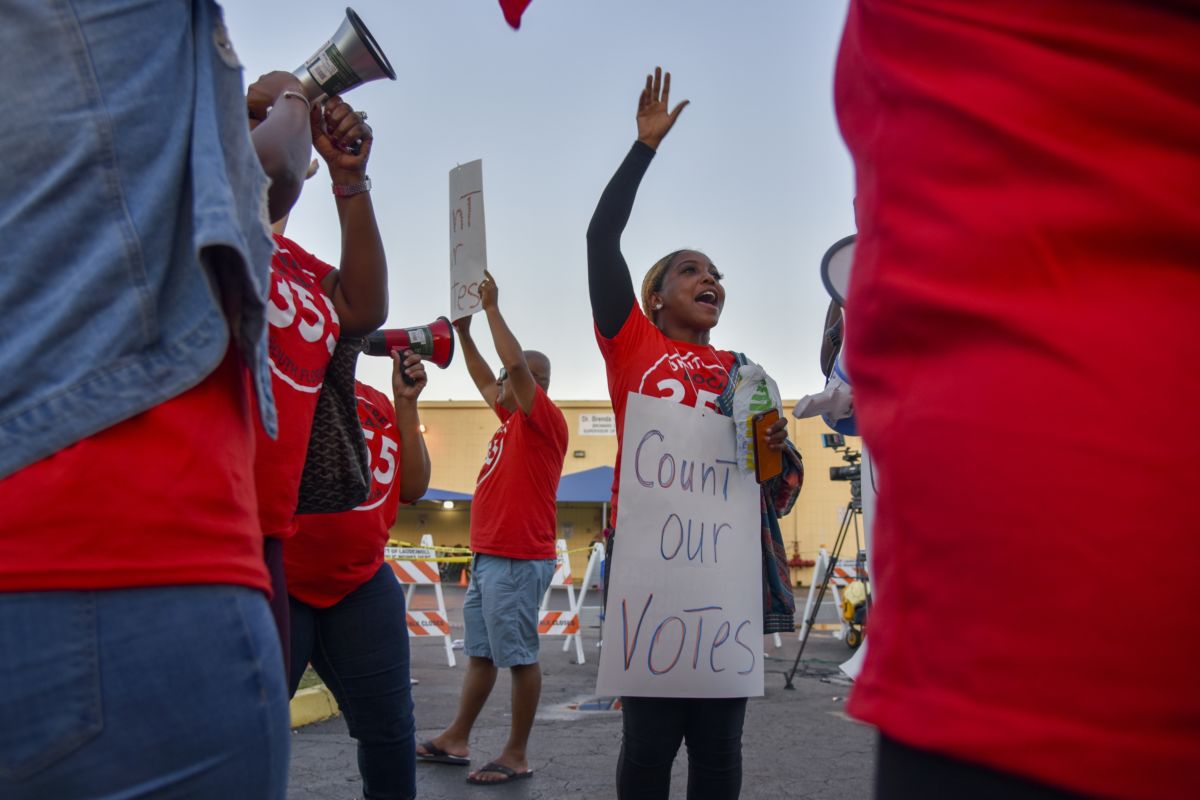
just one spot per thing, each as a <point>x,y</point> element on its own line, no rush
<point>337,473</point>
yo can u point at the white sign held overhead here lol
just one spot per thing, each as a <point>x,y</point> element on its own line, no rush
<point>684,613</point>
<point>468,241</point>
<point>597,424</point>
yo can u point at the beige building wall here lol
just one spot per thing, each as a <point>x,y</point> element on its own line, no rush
<point>457,434</point>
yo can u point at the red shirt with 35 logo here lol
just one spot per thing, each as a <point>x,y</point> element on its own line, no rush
<point>641,359</point>
<point>334,554</point>
<point>303,330</point>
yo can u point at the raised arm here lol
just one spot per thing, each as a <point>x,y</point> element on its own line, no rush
<point>359,287</point>
<point>414,457</point>
<point>477,366</point>
<point>610,286</point>
<point>520,379</point>
<point>279,131</point>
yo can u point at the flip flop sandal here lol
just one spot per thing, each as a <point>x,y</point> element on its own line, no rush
<point>436,755</point>
<point>509,774</point>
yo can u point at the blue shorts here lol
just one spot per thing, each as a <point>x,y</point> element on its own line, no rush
<point>500,611</point>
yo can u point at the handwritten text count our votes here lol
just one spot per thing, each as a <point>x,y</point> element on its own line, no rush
<point>693,632</point>
<point>683,540</point>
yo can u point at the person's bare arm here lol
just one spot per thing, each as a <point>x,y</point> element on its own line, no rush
<point>477,366</point>
<point>280,134</point>
<point>520,379</point>
<point>359,286</point>
<point>414,457</point>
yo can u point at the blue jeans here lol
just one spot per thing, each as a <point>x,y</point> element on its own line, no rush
<point>652,729</point>
<point>171,692</point>
<point>359,647</point>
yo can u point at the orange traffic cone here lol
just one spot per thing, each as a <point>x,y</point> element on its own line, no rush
<point>462,576</point>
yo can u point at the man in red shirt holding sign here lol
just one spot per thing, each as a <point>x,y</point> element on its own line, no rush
<point>513,525</point>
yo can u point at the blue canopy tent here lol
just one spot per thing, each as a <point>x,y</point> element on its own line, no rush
<point>440,495</point>
<point>590,486</point>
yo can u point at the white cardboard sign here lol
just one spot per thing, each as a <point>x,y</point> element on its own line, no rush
<point>684,613</point>
<point>468,241</point>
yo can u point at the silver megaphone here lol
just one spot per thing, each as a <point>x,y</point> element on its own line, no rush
<point>350,58</point>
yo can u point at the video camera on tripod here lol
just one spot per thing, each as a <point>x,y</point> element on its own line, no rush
<point>852,472</point>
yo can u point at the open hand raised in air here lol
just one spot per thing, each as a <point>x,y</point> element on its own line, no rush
<point>654,114</point>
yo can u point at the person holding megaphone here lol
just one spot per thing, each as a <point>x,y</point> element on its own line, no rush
<point>311,305</point>
<point>347,609</point>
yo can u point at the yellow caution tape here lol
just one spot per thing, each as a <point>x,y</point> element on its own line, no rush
<point>394,543</point>
<point>438,560</point>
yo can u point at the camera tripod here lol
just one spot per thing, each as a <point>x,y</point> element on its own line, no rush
<point>849,519</point>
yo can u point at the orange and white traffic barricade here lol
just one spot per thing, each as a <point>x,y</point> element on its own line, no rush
<point>845,572</point>
<point>566,623</point>
<point>416,567</point>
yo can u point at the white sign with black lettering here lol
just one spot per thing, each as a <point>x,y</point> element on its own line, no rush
<point>684,614</point>
<point>468,239</point>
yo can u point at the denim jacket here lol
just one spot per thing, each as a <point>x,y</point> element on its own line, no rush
<point>129,191</point>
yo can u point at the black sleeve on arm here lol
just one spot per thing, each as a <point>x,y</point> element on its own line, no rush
<point>610,285</point>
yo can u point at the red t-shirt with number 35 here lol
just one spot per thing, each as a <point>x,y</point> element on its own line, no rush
<point>333,554</point>
<point>304,329</point>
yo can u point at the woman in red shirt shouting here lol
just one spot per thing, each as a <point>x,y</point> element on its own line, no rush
<point>663,350</point>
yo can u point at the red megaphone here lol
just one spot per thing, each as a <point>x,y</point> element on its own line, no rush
<point>433,342</point>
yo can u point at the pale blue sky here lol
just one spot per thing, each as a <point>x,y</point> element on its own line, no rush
<point>755,173</point>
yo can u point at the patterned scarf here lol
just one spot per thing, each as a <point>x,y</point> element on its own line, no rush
<point>777,496</point>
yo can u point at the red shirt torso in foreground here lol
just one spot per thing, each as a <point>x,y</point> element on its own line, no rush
<point>163,498</point>
<point>641,359</point>
<point>514,511</point>
<point>1023,332</point>
<point>303,331</point>
<point>331,555</point>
